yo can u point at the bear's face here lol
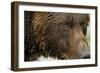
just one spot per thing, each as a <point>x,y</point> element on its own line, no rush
<point>61,35</point>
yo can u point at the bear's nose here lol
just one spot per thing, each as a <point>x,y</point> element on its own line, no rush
<point>87,56</point>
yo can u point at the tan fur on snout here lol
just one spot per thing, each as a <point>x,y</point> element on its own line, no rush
<point>83,48</point>
<point>78,46</point>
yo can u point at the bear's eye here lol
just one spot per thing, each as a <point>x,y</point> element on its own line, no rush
<point>83,25</point>
<point>84,30</point>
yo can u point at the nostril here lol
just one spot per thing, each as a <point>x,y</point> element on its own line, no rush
<point>85,57</point>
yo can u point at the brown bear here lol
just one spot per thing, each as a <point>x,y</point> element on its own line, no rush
<point>54,34</point>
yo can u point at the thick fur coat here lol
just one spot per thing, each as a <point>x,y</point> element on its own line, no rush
<point>58,35</point>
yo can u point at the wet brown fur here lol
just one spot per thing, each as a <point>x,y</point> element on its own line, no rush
<point>57,35</point>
